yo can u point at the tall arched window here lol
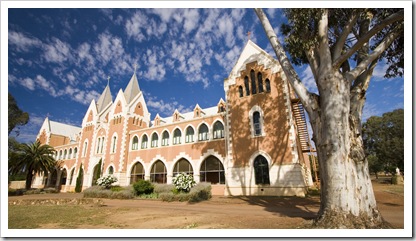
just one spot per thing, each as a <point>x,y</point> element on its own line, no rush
<point>253,82</point>
<point>267,85</point>
<point>240,91</point>
<point>165,138</point>
<point>189,134</point>
<point>257,123</point>
<point>203,133</point>
<point>155,139</point>
<point>137,173</point>
<point>246,85</point>
<point>70,153</point>
<point>113,150</point>
<point>144,141</point>
<point>183,166</point>
<point>218,130</point>
<point>261,170</point>
<point>135,143</point>
<point>158,173</point>
<point>102,144</point>
<point>260,82</point>
<point>63,177</point>
<point>177,134</point>
<point>212,171</point>
<point>84,151</point>
<point>60,155</point>
<point>98,145</point>
<point>111,170</point>
<point>75,152</point>
<point>65,154</point>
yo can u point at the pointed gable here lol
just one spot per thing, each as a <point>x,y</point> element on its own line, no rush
<point>132,89</point>
<point>221,106</point>
<point>104,100</point>
<point>251,53</point>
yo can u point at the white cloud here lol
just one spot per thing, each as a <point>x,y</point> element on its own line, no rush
<point>380,71</point>
<point>57,51</point>
<point>166,109</point>
<point>134,25</point>
<point>191,19</point>
<point>22,41</point>
<point>27,83</point>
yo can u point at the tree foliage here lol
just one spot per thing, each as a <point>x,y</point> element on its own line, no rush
<point>383,138</point>
<point>16,116</point>
<point>33,159</point>
<point>80,177</point>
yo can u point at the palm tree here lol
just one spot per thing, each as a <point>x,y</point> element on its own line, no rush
<point>34,158</point>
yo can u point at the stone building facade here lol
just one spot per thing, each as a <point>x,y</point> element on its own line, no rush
<point>249,144</point>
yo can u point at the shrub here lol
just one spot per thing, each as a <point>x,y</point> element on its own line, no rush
<point>200,192</point>
<point>15,192</point>
<point>50,190</point>
<point>161,188</point>
<point>106,181</point>
<point>183,182</point>
<point>78,184</point>
<point>116,188</point>
<point>143,187</point>
<point>97,192</point>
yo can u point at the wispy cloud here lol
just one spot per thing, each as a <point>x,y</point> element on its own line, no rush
<point>57,51</point>
<point>165,109</point>
<point>22,41</point>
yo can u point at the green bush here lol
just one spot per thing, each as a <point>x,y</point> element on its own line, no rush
<point>143,187</point>
<point>116,188</point>
<point>15,192</point>
<point>102,192</point>
<point>200,192</point>
<point>161,188</point>
<point>33,191</point>
<point>50,190</point>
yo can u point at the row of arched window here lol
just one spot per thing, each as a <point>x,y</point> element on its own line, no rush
<point>211,170</point>
<point>66,154</point>
<point>203,135</point>
<point>256,84</point>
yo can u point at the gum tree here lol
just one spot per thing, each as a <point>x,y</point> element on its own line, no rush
<point>342,48</point>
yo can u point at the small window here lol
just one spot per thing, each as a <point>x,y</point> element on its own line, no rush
<point>155,139</point>
<point>177,134</point>
<point>75,152</point>
<point>246,85</point>
<point>203,133</point>
<point>256,123</point>
<point>189,134</point>
<point>261,170</point>
<point>114,144</point>
<point>144,142</point>
<point>84,151</point>
<point>102,144</point>
<point>218,130</point>
<point>98,145</point>
<point>165,139</point>
<point>240,91</point>
<point>253,82</point>
<point>267,85</point>
<point>111,170</point>
<point>260,82</point>
<point>65,154</point>
<point>70,154</point>
<point>135,144</point>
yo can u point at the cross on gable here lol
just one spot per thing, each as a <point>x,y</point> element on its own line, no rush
<point>108,80</point>
<point>248,35</point>
<point>135,67</point>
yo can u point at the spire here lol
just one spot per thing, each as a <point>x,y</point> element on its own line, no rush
<point>105,97</point>
<point>132,89</point>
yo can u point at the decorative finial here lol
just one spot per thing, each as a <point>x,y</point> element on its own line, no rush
<point>135,67</point>
<point>108,80</point>
<point>248,35</point>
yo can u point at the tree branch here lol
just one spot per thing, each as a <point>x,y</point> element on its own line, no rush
<point>307,99</point>
<point>361,67</point>
<point>364,39</point>
<point>324,51</point>
<point>339,45</point>
<point>313,60</point>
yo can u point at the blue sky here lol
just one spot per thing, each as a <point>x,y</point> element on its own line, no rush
<point>59,59</point>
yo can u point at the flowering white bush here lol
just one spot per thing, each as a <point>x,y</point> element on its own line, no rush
<point>183,182</point>
<point>106,181</point>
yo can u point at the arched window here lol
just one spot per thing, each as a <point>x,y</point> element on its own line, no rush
<point>189,134</point>
<point>137,173</point>
<point>144,141</point>
<point>260,82</point>
<point>71,176</point>
<point>261,170</point>
<point>177,134</point>
<point>183,166</point>
<point>111,170</point>
<point>75,152</point>
<point>70,153</point>
<point>102,144</point>
<point>98,145</point>
<point>135,143</point>
<point>218,130</point>
<point>63,177</point>
<point>84,151</point>
<point>113,150</point>
<point>60,155</point>
<point>65,154</point>
<point>246,85</point>
<point>267,85</point>
<point>158,173</point>
<point>212,171</point>
<point>240,91</point>
<point>253,82</point>
<point>203,133</point>
<point>257,123</point>
<point>155,139</point>
<point>165,138</point>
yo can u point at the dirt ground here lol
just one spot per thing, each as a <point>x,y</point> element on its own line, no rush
<point>223,212</point>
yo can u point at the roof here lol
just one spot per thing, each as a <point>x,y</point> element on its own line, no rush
<point>104,99</point>
<point>132,89</point>
<point>63,129</point>
<point>190,115</point>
